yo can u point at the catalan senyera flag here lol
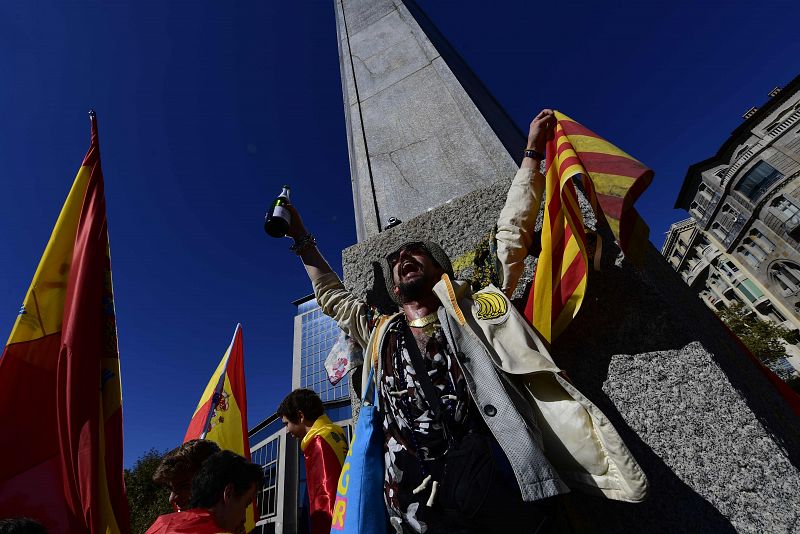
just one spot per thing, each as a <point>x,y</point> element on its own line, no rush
<point>221,414</point>
<point>612,181</point>
<point>60,390</point>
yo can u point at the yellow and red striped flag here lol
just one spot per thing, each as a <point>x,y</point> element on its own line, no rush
<point>221,414</point>
<point>612,181</point>
<point>60,389</point>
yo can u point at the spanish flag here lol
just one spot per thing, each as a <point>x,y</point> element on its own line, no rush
<point>612,181</point>
<point>221,414</point>
<point>60,391</point>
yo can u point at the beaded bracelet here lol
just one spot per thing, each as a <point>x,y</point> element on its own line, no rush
<point>302,243</point>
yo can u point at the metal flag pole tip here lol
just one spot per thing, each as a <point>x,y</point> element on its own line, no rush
<point>92,114</point>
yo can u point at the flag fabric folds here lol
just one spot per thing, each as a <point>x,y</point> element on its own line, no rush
<point>324,448</point>
<point>60,388</point>
<point>612,181</point>
<point>221,414</point>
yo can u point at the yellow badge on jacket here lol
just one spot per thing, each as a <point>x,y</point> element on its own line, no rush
<point>490,305</point>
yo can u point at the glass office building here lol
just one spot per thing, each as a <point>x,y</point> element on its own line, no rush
<point>318,334</point>
<point>283,500</point>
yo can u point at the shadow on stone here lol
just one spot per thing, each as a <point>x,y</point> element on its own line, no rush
<point>377,294</point>
<point>611,325</point>
<point>692,407</point>
<point>672,506</point>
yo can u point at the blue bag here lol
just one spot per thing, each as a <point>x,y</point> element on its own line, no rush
<point>359,507</point>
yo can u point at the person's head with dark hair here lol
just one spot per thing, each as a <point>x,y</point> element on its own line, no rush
<point>179,466</point>
<point>225,485</point>
<point>21,525</point>
<point>299,410</point>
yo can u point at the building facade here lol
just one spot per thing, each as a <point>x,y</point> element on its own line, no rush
<point>283,500</point>
<point>314,336</point>
<point>741,242</point>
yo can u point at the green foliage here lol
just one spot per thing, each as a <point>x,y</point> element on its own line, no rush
<point>147,500</point>
<point>763,338</point>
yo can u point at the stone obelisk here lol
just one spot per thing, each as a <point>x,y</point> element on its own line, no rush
<point>422,129</point>
<point>430,146</point>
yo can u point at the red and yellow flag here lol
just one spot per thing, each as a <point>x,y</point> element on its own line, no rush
<point>612,181</point>
<point>60,391</point>
<point>221,414</point>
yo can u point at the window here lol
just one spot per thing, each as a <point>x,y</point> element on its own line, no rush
<point>749,290</point>
<point>789,214</point>
<point>759,244</point>
<point>757,180</point>
<point>728,268</point>
<point>784,208</point>
<point>785,275</point>
<point>267,458</point>
<point>748,256</point>
<point>718,232</point>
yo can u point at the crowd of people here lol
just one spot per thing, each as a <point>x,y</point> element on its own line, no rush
<point>210,489</point>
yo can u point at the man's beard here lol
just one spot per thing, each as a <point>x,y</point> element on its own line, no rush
<point>414,289</point>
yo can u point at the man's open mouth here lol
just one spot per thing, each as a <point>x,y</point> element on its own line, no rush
<point>409,266</point>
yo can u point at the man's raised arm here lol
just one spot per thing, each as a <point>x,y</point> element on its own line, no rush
<point>518,217</point>
<point>305,246</point>
<point>349,312</point>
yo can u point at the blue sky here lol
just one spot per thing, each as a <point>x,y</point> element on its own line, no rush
<point>207,108</point>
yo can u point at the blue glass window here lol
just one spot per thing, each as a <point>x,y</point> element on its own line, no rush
<point>267,457</point>
<point>757,180</point>
<point>317,337</point>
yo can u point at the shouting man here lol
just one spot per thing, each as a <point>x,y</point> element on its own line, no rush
<point>481,428</point>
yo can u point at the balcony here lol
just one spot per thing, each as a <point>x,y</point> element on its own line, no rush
<point>730,295</point>
<point>710,252</point>
<point>733,232</point>
<point>708,208</point>
<point>711,301</point>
